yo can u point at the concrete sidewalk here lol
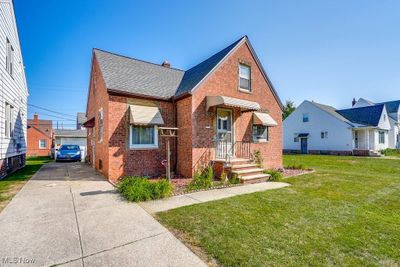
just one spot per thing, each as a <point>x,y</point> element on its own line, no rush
<point>68,215</point>
<point>205,196</point>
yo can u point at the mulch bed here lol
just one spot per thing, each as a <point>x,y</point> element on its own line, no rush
<point>179,183</point>
<point>295,172</point>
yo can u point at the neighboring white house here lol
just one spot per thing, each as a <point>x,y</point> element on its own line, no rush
<point>393,109</point>
<point>71,137</point>
<point>320,129</point>
<point>13,94</point>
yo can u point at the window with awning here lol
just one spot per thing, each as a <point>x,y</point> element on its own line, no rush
<point>264,119</point>
<point>143,130</point>
<point>244,105</point>
<point>145,115</point>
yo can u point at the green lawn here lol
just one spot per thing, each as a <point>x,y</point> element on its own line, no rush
<point>347,213</point>
<point>10,185</point>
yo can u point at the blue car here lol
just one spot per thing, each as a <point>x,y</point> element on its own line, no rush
<point>68,153</point>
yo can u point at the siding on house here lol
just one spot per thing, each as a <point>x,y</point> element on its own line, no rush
<point>340,136</point>
<point>13,90</point>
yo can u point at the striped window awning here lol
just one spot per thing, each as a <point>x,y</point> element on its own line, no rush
<point>145,115</point>
<point>232,102</point>
<point>264,119</point>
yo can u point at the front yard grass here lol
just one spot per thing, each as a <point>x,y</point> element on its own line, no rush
<point>10,185</point>
<point>347,213</point>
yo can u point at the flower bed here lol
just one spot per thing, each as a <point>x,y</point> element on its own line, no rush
<point>295,172</point>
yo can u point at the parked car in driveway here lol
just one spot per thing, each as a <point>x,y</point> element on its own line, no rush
<point>68,153</point>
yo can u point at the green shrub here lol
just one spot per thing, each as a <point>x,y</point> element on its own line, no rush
<point>234,179</point>
<point>202,179</point>
<point>275,175</point>
<point>141,189</point>
<point>295,167</point>
<point>391,152</point>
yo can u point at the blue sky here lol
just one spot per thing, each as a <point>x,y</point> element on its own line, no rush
<point>326,51</point>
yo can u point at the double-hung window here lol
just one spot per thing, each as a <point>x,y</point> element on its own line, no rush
<point>260,133</point>
<point>9,57</point>
<point>244,77</point>
<point>324,135</point>
<point>42,143</point>
<point>9,121</point>
<point>143,136</point>
<point>381,137</point>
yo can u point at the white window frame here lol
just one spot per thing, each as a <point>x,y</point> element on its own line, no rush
<point>9,121</point>
<point>247,78</point>
<point>9,58</point>
<point>324,135</point>
<point>260,140</point>
<point>381,137</point>
<point>101,125</point>
<point>143,146</point>
<point>40,144</point>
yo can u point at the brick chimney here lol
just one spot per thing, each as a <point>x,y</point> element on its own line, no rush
<point>166,64</point>
<point>35,119</point>
<point>353,102</point>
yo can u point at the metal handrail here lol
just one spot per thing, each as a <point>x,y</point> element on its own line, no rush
<point>239,149</point>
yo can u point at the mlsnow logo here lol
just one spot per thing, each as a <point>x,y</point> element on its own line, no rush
<point>17,260</point>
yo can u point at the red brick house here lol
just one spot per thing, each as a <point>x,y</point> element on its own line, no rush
<point>40,137</point>
<point>225,109</point>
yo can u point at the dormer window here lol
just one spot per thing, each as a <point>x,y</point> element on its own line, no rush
<point>244,77</point>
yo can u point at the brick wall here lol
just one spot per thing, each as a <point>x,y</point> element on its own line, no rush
<point>185,125</point>
<point>98,98</point>
<point>224,81</point>
<point>125,161</point>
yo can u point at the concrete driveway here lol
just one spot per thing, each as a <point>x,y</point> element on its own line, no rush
<point>68,215</point>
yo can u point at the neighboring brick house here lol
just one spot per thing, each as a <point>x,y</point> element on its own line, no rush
<point>225,109</point>
<point>40,137</point>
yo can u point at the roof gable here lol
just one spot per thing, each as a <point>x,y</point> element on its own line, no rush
<point>137,77</point>
<point>196,74</point>
<point>369,116</point>
<point>392,106</point>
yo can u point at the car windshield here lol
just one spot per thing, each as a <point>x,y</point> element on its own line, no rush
<point>69,147</point>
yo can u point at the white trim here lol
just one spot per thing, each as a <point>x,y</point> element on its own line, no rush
<point>244,90</point>
<point>45,144</point>
<point>143,146</point>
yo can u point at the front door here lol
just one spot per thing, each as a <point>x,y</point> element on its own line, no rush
<point>304,149</point>
<point>224,133</point>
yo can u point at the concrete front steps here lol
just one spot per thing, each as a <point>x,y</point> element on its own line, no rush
<point>247,171</point>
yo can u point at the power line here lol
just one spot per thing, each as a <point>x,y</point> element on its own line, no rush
<point>52,111</point>
<point>55,116</point>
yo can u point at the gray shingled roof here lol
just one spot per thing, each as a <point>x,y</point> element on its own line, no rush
<point>70,133</point>
<point>138,77</point>
<point>332,111</point>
